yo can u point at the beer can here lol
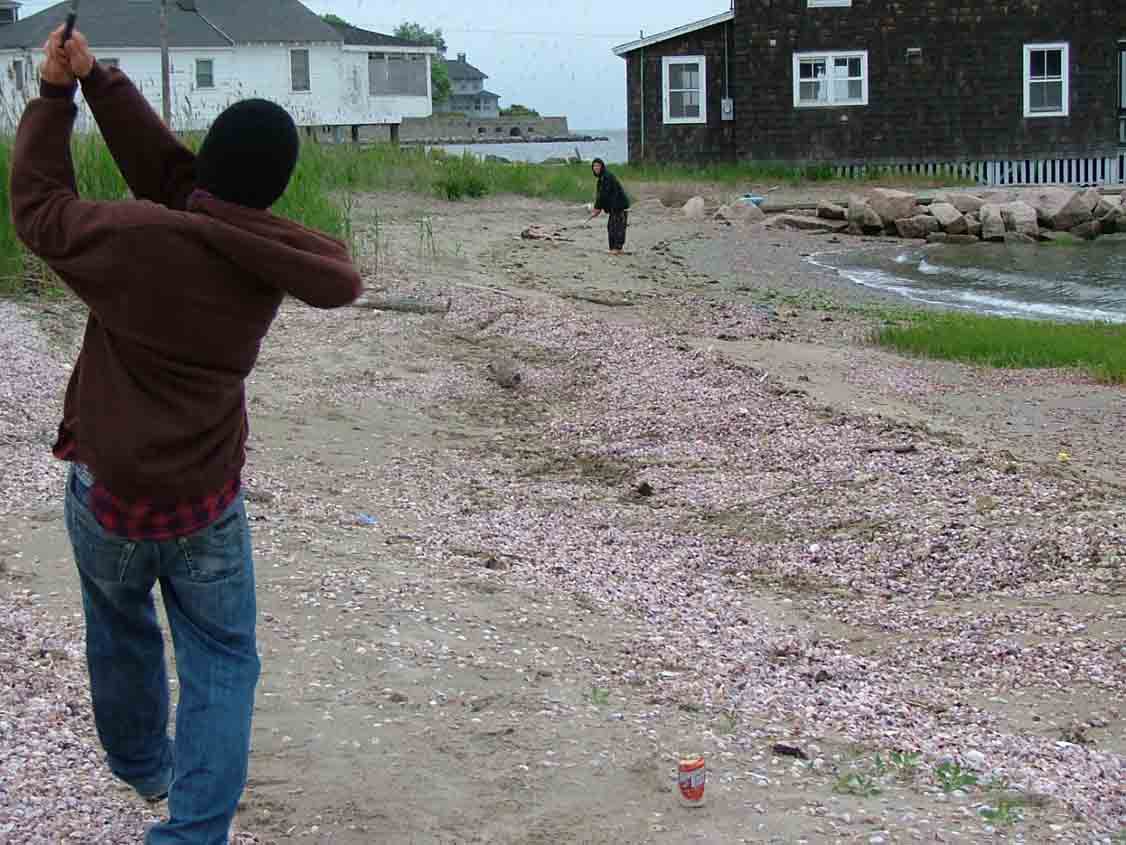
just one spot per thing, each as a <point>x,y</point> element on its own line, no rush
<point>692,776</point>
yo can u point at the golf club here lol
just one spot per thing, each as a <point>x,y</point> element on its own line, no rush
<point>71,20</point>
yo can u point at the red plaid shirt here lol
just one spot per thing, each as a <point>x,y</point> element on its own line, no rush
<point>144,520</point>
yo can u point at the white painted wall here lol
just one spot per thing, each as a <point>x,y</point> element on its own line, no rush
<point>338,94</point>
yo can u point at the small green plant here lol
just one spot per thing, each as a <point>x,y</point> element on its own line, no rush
<point>599,696</point>
<point>1004,814</point>
<point>426,246</point>
<point>879,766</point>
<point>729,721</point>
<point>952,777</point>
<point>906,763</point>
<point>857,783</point>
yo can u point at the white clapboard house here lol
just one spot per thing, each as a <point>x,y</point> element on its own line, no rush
<point>223,51</point>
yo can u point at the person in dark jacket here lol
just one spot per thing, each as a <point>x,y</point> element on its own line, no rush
<point>182,284</point>
<point>611,198</point>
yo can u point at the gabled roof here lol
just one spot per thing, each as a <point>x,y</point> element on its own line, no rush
<point>715,20</point>
<point>367,38</point>
<point>463,71</point>
<point>191,23</point>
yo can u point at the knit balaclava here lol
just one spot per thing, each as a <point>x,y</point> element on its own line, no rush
<point>249,154</point>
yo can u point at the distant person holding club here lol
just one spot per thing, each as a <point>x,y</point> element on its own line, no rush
<point>182,285</point>
<point>611,197</point>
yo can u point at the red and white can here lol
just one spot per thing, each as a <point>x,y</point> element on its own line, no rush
<point>691,779</point>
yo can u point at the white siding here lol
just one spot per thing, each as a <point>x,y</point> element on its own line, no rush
<point>338,94</point>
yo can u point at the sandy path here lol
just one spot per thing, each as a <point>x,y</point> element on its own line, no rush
<point>504,655</point>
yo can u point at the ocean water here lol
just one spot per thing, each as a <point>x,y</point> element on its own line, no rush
<point>1082,282</point>
<point>614,151</point>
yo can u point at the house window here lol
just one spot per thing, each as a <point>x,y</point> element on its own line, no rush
<point>204,73</point>
<point>17,74</point>
<point>685,89</point>
<point>1046,80</point>
<point>7,16</point>
<point>813,4</point>
<point>397,74</point>
<point>299,69</point>
<point>1122,80</point>
<point>830,79</point>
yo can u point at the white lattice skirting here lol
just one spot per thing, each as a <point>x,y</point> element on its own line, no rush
<point>1055,171</point>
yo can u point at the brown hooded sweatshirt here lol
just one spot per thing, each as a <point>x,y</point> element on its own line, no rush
<point>181,289</point>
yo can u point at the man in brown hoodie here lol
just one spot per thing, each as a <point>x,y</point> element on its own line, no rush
<point>182,284</point>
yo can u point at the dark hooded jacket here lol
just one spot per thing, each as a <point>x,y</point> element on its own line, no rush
<point>182,288</point>
<point>610,196</point>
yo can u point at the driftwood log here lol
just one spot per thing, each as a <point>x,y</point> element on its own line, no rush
<point>403,305</point>
<point>505,373</point>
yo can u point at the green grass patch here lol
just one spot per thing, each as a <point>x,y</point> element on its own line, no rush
<point>1011,343</point>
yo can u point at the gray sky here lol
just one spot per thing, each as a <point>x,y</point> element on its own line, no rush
<point>553,56</point>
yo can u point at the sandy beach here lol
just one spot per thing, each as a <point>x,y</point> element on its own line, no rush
<point>710,517</point>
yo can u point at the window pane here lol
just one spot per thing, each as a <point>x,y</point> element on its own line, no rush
<point>856,89</point>
<point>812,70</point>
<point>810,92</point>
<point>684,77</point>
<point>855,68</point>
<point>204,73</point>
<point>1038,64</point>
<point>1122,78</point>
<point>847,89</point>
<point>840,68</point>
<point>1046,96</point>
<point>1055,62</point>
<point>300,59</point>
<point>684,104</point>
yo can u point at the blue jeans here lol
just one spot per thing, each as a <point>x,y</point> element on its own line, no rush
<point>207,584</point>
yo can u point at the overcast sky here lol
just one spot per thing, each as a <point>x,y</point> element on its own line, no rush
<point>550,55</point>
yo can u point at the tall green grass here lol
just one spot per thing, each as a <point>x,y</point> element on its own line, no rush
<point>1098,348</point>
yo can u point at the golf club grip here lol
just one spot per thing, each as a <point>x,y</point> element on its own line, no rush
<point>71,20</point>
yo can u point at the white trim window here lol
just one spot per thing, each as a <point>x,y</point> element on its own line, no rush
<point>686,89</point>
<point>300,78</point>
<point>1046,83</point>
<point>814,4</point>
<point>830,79</point>
<point>204,73</point>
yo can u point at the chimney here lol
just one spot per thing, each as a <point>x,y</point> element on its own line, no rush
<point>461,57</point>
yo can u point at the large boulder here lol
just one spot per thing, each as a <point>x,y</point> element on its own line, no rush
<point>965,203</point>
<point>862,218</point>
<point>1048,203</point>
<point>800,223</point>
<point>1115,221</point>
<point>831,211</point>
<point>1091,198</point>
<point>892,205</point>
<point>1087,231</point>
<point>1075,212</point>
<point>973,226</point>
<point>949,218</point>
<point>917,227</point>
<point>1020,217</point>
<point>1106,206</point>
<point>992,223</point>
<point>695,209</point>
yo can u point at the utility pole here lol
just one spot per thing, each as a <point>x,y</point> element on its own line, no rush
<point>165,64</point>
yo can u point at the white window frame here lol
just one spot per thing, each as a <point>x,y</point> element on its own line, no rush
<point>817,4</point>
<point>666,65</point>
<point>210,87</point>
<point>829,57</point>
<point>19,74</point>
<point>1065,68</point>
<point>308,70</point>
